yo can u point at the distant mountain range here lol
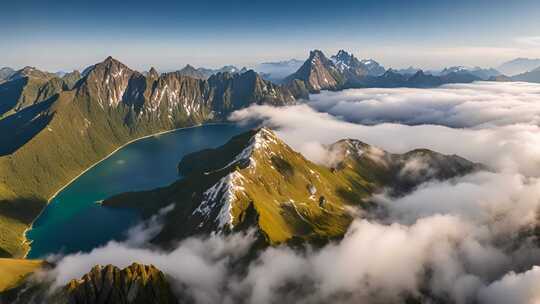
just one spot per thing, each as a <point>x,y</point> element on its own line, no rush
<point>532,76</point>
<point>205,73</point>
<point>482,73</point>
<point>519,66</point>
<point>343,71</point>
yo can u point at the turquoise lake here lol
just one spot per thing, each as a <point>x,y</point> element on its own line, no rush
<point>75,221</point>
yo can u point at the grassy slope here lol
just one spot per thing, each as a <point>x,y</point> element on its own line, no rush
<point>78,136</point>
<point>276,184</point>
<point>14,271</point>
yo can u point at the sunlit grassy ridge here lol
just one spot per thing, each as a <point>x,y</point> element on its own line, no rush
<point>14,271</point>
<point>257,180</point>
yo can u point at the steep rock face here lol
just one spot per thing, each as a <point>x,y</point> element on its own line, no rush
<point>107,83</point>
<point>191,71</point>
<point>71,79</point>
<point>345,71</point>
<point>109,284</point>
<point>318,73</point>
<point>178,97</point>
<point>256,180</point>
<point>354,69</point>
<point>236,91</point>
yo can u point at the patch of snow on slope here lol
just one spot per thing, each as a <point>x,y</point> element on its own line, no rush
<point>222,193</point>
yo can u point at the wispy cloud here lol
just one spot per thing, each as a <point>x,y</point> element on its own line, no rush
<point>529,40</point>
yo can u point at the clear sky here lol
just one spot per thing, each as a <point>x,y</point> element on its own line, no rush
<point>167,34</point>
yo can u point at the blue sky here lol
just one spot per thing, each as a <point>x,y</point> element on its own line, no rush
<point>63,35</point>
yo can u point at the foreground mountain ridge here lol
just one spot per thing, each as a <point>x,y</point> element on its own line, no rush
<point>257,180</point>
<point>136,283</point>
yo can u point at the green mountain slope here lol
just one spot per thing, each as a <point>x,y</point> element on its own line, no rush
<point>257,180</point>
<point>50,134</point>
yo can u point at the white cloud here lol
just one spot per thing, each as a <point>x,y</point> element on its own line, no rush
<point>479,105</point>
<point>199,266</point>
<point>512,148</point>
<point>514,288</point>
<point>529,40</point>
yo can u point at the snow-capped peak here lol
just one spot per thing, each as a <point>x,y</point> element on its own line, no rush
<point>229,188</point>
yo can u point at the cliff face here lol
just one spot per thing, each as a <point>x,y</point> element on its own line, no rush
<point>135,284</point>
<point>318,73</point>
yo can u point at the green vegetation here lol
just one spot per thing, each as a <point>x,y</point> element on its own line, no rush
<point>52,129</point>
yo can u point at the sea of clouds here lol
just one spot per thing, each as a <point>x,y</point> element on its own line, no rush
<point>468,240</point>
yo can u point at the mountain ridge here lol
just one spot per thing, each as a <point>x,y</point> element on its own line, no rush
<point>345,71</point>
<point>256,180</point>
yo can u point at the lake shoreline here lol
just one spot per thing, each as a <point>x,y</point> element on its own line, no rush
<point>28,243</point>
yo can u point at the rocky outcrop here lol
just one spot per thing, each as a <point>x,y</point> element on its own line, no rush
<point>110,285</point>
<point>318,73</point>
<point>345,71</point>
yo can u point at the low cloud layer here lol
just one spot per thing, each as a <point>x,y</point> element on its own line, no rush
<point>468,240</point>
<point>478,105</point>
<point>512,148</point>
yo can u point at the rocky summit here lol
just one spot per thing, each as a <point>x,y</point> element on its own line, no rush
<point>345,71</point>
<point>135,284</point>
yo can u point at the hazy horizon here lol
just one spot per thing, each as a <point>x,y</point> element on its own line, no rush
<point>63,36</point>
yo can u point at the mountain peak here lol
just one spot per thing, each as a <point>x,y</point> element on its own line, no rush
<point>153,73</point>
<point>136,283</point>
<point>189,67</point>
<point>107,81</point>
<point>316,54</point>
<point>109,61</point>
<point>318,73</point>
<point>344,56</point>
